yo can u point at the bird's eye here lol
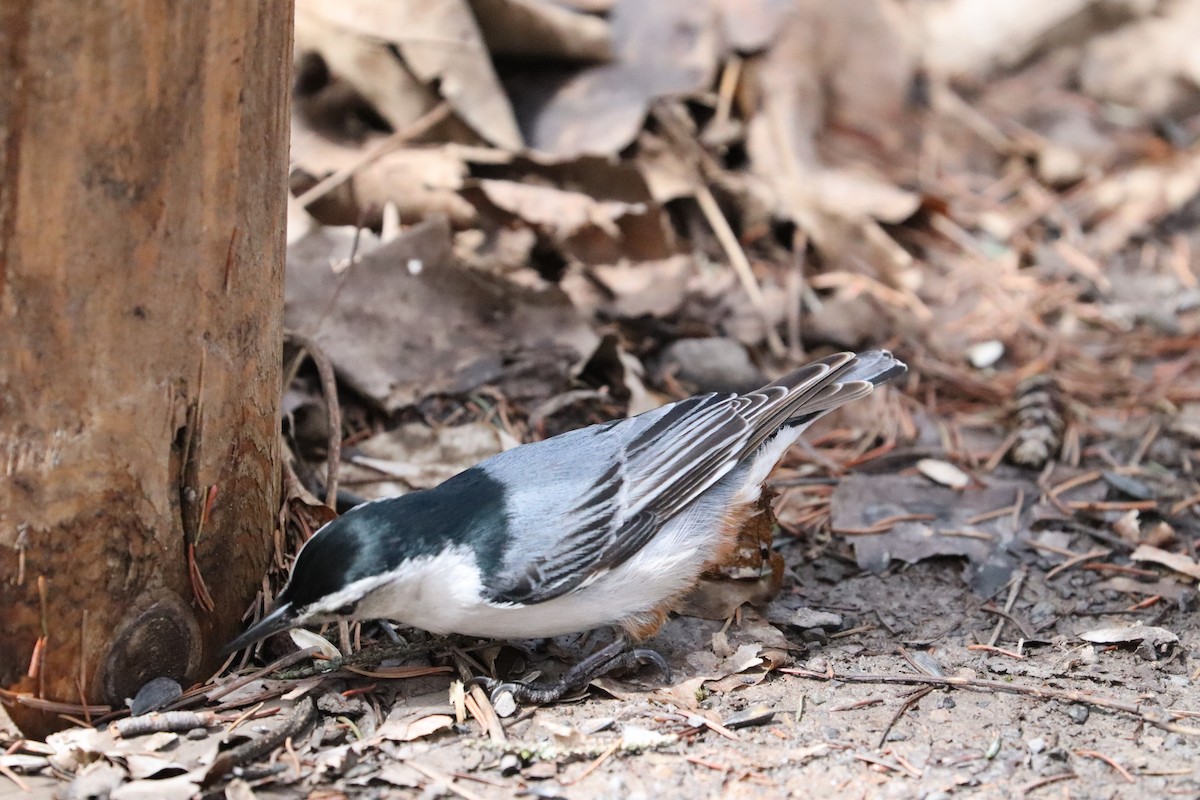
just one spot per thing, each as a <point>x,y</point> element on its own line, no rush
<point>345,611</point>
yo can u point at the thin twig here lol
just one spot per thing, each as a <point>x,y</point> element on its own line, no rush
<point>296,723</point>
<point>739,262</point>
<point>1151,718</point>
<point>1107,760</point>
<point>329,389</point>
<point>419,127</point>
<point>446,781</point>
<point>595,765</point>
<point>913,698</point>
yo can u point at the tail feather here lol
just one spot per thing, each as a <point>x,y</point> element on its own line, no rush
<point>876,366</point>
<point>844,377</point>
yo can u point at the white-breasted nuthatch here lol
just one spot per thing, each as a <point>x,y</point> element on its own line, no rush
<point>605,525</point>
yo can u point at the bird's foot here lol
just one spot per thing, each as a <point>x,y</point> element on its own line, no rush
<point>608,659</point>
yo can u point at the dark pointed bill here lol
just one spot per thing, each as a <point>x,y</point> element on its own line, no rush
<point>280,619</point>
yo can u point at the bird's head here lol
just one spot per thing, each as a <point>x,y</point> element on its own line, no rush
<point>334,571</point>
<point>361,564</point>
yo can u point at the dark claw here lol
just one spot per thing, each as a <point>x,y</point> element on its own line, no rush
<point>500,687</point>
<point>495,687</point>
<point>647,656</point>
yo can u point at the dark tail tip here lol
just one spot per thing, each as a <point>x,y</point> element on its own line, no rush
<point>876,366</point>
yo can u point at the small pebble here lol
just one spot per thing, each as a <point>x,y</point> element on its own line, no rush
<point>540,771</point>
<point>755,715</point>
<point>196,734</point>
<point>155,695</point>
<point>927,663</point>
<point>1078,713</point>
<point>510,764</point>
<point>1036,745</point>
<point>812,618</point>
<point>505,705</point>
<point>985,354</point>
<point>596,725</point>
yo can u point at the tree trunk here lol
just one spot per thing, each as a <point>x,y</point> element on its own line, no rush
<point>142,204</point>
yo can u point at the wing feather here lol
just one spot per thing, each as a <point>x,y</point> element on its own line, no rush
<point>661,468</point>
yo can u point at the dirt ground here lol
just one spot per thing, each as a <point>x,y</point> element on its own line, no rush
<point>828,738</point>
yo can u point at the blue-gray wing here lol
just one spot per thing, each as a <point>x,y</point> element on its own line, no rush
<point>591,498</point>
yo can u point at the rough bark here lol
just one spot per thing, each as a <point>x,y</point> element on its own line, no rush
<point>143,154</point>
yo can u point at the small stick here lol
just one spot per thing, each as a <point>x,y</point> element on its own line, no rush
<point>885,525</point>
<point>993,649</point>
<point>1184,503</point>
<point>879,762</point>
<point>913,698</point>
<point>739,262</point>
<point>1040,782</point>
<point>1070,562</point>
<point>445,780</point>
<point>1047,693</point>
<point>419,127</point>
<point>165,721</point>
<point>278,664</point>
<point>12,776</point>
<point>725,92</point>
<point>329,389</point>
<point>481,709</point>
<point>1075,483</point>
<point>595,765</point>
<point>301,717</point>
<point>1107,760</point>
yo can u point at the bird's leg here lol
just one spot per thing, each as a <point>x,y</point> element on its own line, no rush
<point>614,656</point>
<point>389,631</point>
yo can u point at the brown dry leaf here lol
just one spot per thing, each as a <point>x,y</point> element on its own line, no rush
<point>439,43</point>
<point>407,322</point>
<point>862,506</point>
<point>655,288</point>
<point>147,765</point>
<point>1168,588</point>
<point>179,787</point>
<point>561,213</point>
<point>684,693</point>
<point>1177,562</point>
<point>541,30</point>
<point>835,66</point>
<point>419,181</point>
<point>1126,203</point>
<point>751,25</point>
<point>420,457</point>
<point>859,195</point>
<point>239,789</point>
<point>414,727</point>
<point>364,62</point>
<point>662,48</point>
<point>719,598</point>
<point>1152,64</point>
<point>306,638</point>
<point>1130,633</point>
<point>584,228</point>
<point>667,173</point>
<point>972,37</point>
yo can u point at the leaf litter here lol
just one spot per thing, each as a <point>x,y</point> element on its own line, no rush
<point>642,202</point>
